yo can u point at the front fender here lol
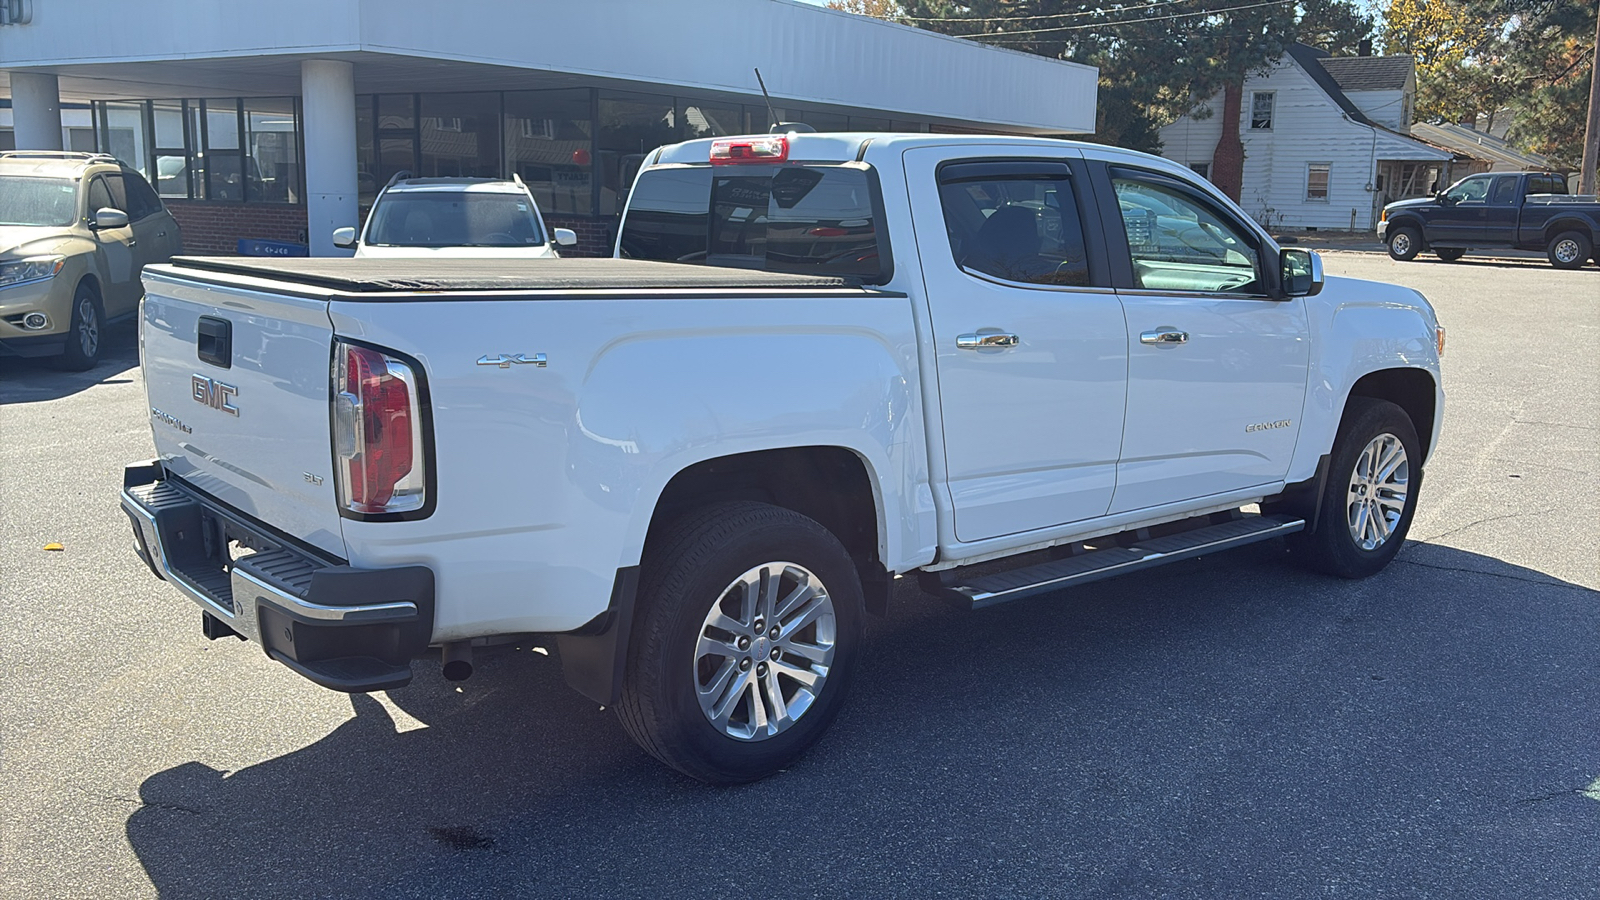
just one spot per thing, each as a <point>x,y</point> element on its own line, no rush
<point>1361,327</point>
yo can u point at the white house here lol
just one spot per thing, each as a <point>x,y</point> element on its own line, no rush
<point>1318,155</point>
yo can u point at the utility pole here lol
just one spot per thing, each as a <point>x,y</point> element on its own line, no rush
<point>1591,134</point>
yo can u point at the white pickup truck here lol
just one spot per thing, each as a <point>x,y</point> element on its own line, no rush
<point>831,361</point>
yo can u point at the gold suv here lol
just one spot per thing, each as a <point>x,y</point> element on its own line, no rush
<point>76,230</point>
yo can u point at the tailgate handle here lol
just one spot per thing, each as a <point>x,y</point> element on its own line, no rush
<point>214,340</point>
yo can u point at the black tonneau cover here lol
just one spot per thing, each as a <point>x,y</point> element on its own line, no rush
<point>406,275</point>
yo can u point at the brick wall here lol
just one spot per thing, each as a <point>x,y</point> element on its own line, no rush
<point>211,228</point>
<point>595,236</point>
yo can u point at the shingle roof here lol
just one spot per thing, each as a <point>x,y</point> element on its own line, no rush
<point>1477,145</point>
<point>1369,73</point>
<point>1310,59</point>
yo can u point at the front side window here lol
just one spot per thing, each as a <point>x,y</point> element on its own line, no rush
<point>1261,103</point>
<point>1317,175</point>
<point>1470,190</point>
<point>818,219</point>
<point>1017,225</point>
<point>1177,241</point>
<point>454,219</point>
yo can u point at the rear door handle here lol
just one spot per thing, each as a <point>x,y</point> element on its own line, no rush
<point>1164,336</point>
<point>986,340</point>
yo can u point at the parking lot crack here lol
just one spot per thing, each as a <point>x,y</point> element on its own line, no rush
<point>1473,524</point>
<point>1538,581</point>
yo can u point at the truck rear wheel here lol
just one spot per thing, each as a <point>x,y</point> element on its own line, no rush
<point>1449,254</point>
<point>1405,243</point>
<point>1370,494</point>
<point>750,623</point>
<point>1569,250</point>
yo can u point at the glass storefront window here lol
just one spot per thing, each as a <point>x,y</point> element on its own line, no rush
<point>122,134</point>
<point>224,175</point>
<point>272,150</point>
<point>549,138</point>
<point>630,127</point>
<point>366,150</point>
<point>703,120</point>
<point>460,135</point>
<point>172,148</point>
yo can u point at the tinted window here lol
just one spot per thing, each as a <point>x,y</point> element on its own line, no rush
<point>100,197</point>
<point>453,219</point>
<point>1505,191</point>
<point>808,219</point>
<point>119,192</point>
<point>37,201</point>
<point>142,200</point>
<point>1178,242</point>
<point>1020,227</point>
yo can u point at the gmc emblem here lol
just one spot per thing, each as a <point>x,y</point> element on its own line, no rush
<point>214,394</point>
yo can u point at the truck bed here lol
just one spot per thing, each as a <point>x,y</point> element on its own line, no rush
<point>563,276</point>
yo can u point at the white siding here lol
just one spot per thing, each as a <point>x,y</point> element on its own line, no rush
<point>1308,127</point>
<point>1383,107</point>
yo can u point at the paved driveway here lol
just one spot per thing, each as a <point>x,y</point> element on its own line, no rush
<point>1226,727</point>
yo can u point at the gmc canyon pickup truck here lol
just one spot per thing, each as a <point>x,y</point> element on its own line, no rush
<point>824,362</point>
<point>1516,210</point>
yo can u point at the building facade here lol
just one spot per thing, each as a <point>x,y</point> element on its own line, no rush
<point>286,125</point>
<point>1317,157</point>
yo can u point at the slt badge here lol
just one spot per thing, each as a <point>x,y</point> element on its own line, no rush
<point>505,362</point>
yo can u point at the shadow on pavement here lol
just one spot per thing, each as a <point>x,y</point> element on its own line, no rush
<point>1222,727</point>
<point>36,380</point>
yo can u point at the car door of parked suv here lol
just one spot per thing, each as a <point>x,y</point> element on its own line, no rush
<point>1216,367</point>
<point>1030,344</point>
<point>119,267</point>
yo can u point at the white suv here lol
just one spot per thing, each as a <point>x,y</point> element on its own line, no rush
<point>455,217</point>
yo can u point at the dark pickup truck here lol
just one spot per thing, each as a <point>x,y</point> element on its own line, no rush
<point>1521,210</point>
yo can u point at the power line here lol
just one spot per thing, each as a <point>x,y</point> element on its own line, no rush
<point>1071,15</point>
<point>1037,31</point>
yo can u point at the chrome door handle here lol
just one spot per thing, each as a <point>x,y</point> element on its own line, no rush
<point>1164,336</point>
<point>986,340</point>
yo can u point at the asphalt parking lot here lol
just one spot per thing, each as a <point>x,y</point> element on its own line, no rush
<point>1225,727</point>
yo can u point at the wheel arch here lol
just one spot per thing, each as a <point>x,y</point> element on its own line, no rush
<point>833,485</point>
<point>1570,223</point>
<point>1411,389</point>
<point>1409,221</point>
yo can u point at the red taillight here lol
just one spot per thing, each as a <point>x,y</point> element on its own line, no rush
<point>378,433</point>
<point>767,148</point>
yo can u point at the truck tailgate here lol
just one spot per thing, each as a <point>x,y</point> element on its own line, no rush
<point>237,379</point>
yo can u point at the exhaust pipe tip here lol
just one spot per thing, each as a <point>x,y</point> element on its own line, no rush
<point>457,658</point>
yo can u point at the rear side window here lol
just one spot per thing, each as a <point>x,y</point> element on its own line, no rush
<point>1505,191</point>
<point>1016,221</point>
<point>820,220</point>
<point>142,199</point>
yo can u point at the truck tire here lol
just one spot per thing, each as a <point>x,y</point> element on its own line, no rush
<point>1569,250</point>
<point>748,630</point>
<point>85,332</point>
<point>1370,494</point>
<point>1405,243</point>
<point>1449,254</point>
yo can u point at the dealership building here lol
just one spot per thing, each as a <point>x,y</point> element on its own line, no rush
<point>282,120</point>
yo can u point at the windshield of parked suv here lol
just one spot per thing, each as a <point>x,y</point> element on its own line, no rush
<point>454,219</point>
<point>26,200</point>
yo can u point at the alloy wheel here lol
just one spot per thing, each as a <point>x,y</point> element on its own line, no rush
<point>88,327</point>
<point>764,651</point>
<point>1378,491</point>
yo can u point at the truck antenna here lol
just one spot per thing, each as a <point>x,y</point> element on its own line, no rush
<point>772,115</point>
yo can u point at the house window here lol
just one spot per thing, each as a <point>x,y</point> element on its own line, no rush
<point>1317,181</point>
<point>1201,169</point>
<point>1261,103</point>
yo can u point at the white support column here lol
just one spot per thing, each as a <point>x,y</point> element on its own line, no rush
<point>328,95</point>
<point>36,111</point>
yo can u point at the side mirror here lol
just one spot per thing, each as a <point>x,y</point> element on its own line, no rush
<point>344,238</point>
<point>106,217</point>
<point>1302,272</point>
<point>566,237</point>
